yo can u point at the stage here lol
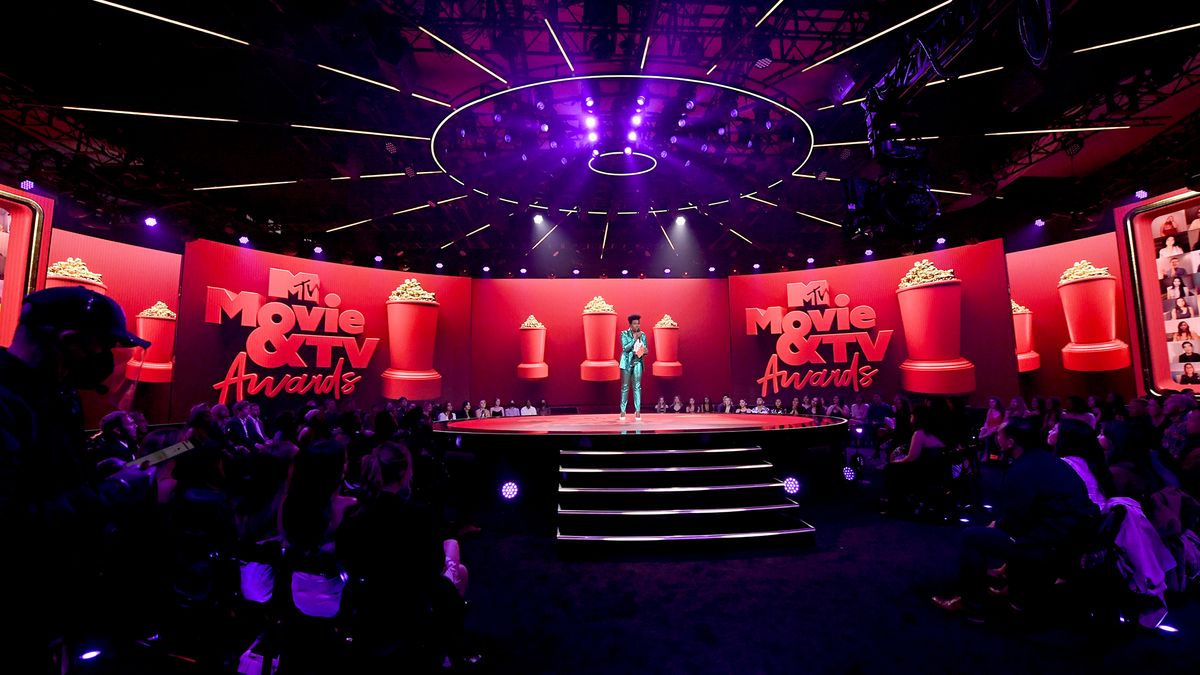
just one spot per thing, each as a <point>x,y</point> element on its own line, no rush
<point>667,478</point>
<point>651,423</point>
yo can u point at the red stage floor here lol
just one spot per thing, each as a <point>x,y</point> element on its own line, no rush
<point>700,423</point>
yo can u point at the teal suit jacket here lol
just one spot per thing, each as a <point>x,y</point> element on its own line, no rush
<point>627,356</point>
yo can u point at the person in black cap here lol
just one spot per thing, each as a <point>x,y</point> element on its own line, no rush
<point>52,512</point>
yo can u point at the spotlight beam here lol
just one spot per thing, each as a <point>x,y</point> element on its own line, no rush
<point>1136,38</point>
<point>558,42</point>
<point>172,22</point>
<point>456,50</point>
<point>360,78</point>
<point>880,34</point>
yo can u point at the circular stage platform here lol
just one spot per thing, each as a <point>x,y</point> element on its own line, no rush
<point>666,478</point>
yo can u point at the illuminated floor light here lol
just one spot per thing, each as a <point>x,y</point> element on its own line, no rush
<point>667,270</point>
<point>1141,194</point>
<point>811,261</point>
<point>575,272</point>
<point>523,270</point>
<point>756,266</point>
<point>27,185</point>
<point>941,241</point>
<point>712,269</point>
<point>791,485</point>
<point>868,253</point>
<point>487,268</point>
<point>456,50</point>
<point>624,273</point>
<point>318,250</point>
<point>151,221</point>
<point>358,77</point>
<point>172,22</point>
<point>856,45</point>
<point>378,258</point>
<point>137,113</point>
<point>439,266</point>
<point>243,240</point>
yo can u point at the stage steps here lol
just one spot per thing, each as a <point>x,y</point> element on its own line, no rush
<point>703,494</point>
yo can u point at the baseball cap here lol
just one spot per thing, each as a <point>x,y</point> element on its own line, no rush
<point>79,308</point>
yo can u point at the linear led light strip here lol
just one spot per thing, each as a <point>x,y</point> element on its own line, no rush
<point>604,241</point>
<point>875,36</point>
<point>645,52</point>
<point>453,241</point>
<point>561,50</point>
<point>150,114</point>
<point>1136,38</point>
<point>385,134</point>
<point>1023,132</point>
<point>965,75</point>
<point>368,80</point>
<point>172,22</point>
<point>431,100</point>
<point>400,212</point>
<point>456,50</point>
<point>308,180</point>
<point>819,219</point>
<point>244,185</point>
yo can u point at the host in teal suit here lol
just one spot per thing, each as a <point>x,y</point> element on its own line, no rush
<point>633,350</point>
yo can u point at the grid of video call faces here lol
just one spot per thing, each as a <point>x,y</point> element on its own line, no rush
<point>1177,241</point>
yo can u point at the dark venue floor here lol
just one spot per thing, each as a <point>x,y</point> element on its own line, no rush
<point>856,602</point>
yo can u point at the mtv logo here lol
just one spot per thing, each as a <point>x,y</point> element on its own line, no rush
<point>303,286</point>
<point>800,294</point>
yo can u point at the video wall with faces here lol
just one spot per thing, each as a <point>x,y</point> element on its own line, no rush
<point>1176,237</point>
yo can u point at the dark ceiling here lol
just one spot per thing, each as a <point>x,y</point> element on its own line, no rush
<point>731,108</point>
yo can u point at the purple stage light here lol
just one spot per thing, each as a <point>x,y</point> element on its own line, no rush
<point>1167,629</point>
<point>509,490</point>
<point>688,163</point>
<point>667,270</point>
<point>768,125</point>
<point>378,258</point>
<point>812,260</point>
<point>243,240</point>
<point>680,221</point>
<point>641,100</point>
<point>593,137</point>
<point>721,131</point>
<point>589,102</point>
<point>563,161</point>
<point>791,485</point>
<point>636,120</point>
<point>508,138</point>
<point>554,146</point>
<point>631,135</point>
<point>318,250</point>
<point>624,273</point>
<point>674,140</point>
<point>27,185</point>
<point>704,147</point>
<point>497,118</point>
<point>733,113</point>
<point>150,221</point>
<point>1039,222</point>
<point>712,269</point>
<point>756,266</point>
<point>589,122</point>
<point>538,219</point>
<point>523,270</point>
<point>595,153</point>
<point>941,241</point>
<point>575,272</point>
<point>524,157</point>
<point>663,154</point>
<point>1141,194</point>
<point>486,268</point>
<point>690,105</point>
<point>439,266</point>
<point>628,150</point>
<point>682,122</point>
<point>89,655</point>
<point>545,127</point>
<point>541,105</point>
<point>868,253</point>
<point>848,472</point>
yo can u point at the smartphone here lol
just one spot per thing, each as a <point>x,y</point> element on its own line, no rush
<point>169,452</point>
